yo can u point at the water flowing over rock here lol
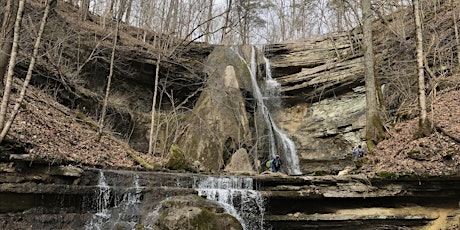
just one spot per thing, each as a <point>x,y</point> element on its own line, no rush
<point>101,199</point>
<point>123,213</point>
<point>238,197</point>
<point>279,143</point>
<point>193,212</point>
<point>322,85</point>
<point>232,113</point>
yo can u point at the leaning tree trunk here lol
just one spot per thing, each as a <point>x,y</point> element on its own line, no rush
<point>29,74</point>
<point>12,64</point>
<point>424,123</point>
<point>374,127</point>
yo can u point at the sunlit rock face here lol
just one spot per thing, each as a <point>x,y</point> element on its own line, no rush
<point>219,121</point>
<point>325,131</point>
<point>323,107</point>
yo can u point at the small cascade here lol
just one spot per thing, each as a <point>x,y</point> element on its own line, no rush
<point>279,143</point>
<point>237,197</point>
<point>116,210</point>
<point>102,205</point>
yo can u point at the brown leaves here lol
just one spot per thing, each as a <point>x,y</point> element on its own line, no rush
<point>56,135</point>
<point>434,155</point>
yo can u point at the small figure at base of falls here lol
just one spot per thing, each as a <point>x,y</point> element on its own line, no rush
<point>275,166</point>
<point>357,152</point>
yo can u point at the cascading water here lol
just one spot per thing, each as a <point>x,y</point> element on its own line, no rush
<point>288,146</point>
<point>123,214</point>
<point>102,205</point>
<point>278,141</point>
<point>237,196</point>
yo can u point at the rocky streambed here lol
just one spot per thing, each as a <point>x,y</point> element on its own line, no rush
<point>43,196</point>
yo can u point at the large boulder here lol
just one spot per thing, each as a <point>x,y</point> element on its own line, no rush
<point>177,160</point>
<point>240,163</point>
<point>219,120</point>
<point>193,212</point>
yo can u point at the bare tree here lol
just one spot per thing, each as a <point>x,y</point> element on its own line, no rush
<point>13,114</point>
<point>424,123</point>
<point>12,63</point>
<point>454,5</point>
<point>108,12</point>
<point>110,76</point>
<point>6,36</point>
<point>84,9</point>
<point>374,127</point>
<point>226,21</point>
<point>154,100</point>
<point>129,7</point>
<point>208,24</point>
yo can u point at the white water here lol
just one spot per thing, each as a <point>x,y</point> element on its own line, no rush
<point>279,143</point>
<point>288,145</point>
<point>237,196</point>
<point>124,212</point>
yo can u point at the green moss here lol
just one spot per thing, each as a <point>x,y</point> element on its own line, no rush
<point>321,173</point>
<point>359,163</point>
<point>206,220</point>
<point>387,175</point>
<point>177,161</point>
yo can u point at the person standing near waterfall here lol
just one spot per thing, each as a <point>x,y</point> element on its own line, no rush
<point>276,164</point>
<point>357,152</point>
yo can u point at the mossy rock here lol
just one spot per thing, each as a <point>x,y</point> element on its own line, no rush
<point>177,160</point>
<point>387,175</point>
<point>321,173</point>
<point>359,163</point>
<point>194,212</point>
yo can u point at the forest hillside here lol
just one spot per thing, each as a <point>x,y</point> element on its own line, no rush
<point>57,121</point>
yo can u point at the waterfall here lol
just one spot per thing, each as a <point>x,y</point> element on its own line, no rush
<point>237,196</point>
<point>288,146</point>
<point>113,211</point>
<point>278,141</point>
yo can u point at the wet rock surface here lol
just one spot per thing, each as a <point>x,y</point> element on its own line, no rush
<point>63,201</point>
<point>194,212</point>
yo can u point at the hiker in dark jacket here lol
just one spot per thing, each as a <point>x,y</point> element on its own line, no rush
<point>276,164</point>
<point>357,152</point>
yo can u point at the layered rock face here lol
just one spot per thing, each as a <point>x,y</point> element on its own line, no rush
<point>324,99</point>
<point>68,197</point>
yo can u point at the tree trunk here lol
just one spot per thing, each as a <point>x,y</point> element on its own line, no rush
<point>6,36</point>
<point>109,78</point>
<point>208,24</point>
<point>12,64</point>
<point>424,123</point>
<point>453,4</point>
<point>84,10</point>
<point>29,73</point>
<point>108,13</point>
<point>227,21</point>
<point>128,11</point>
<point>374,127</point>
<point>154,100</point>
